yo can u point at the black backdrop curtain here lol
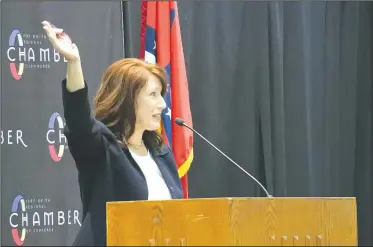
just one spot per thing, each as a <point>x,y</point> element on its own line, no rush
<point>284,88</point>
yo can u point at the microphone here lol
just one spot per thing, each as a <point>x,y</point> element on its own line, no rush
<point>181,122</point>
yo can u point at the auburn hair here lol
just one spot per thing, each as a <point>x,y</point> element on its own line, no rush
<point>115,101</point>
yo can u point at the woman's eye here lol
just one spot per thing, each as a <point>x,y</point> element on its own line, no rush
<point>152,94</point>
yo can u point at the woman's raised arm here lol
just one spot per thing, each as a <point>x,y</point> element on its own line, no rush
<point>82,131</point>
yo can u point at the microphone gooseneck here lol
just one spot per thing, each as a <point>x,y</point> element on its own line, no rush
<point>181,122</point>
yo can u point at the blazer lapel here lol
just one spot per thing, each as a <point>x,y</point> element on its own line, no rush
<point>159,158</point>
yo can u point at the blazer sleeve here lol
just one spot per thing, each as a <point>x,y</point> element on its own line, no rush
<point>83,133</point>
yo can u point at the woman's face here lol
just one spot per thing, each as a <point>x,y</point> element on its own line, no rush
<point>149,105</point>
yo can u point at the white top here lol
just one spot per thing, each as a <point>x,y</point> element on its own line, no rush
<point>157,187</point>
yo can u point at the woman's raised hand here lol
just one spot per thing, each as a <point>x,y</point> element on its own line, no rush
<point>61,42</point>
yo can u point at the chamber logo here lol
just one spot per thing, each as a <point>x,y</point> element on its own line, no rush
<point>36,216</point>
<point>12,137</point>
<point>30,51</point>
<point>15,36</point>
<point>55,137</point>
<point>18,205</point>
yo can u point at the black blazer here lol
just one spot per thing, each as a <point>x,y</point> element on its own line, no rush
<point>106,172</point>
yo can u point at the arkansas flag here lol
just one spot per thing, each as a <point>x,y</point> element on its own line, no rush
<point>161,43</point>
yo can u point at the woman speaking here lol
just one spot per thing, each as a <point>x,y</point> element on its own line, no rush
<point>118,152</point>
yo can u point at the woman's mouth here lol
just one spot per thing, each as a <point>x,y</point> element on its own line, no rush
<point>157,117</point>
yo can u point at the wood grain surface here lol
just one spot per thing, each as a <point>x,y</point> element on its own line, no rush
<point>234,222</point>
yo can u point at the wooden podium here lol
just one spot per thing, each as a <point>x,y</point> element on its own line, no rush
<point>233,222</point>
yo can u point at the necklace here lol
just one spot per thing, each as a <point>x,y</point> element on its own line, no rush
<point>135,146</point>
